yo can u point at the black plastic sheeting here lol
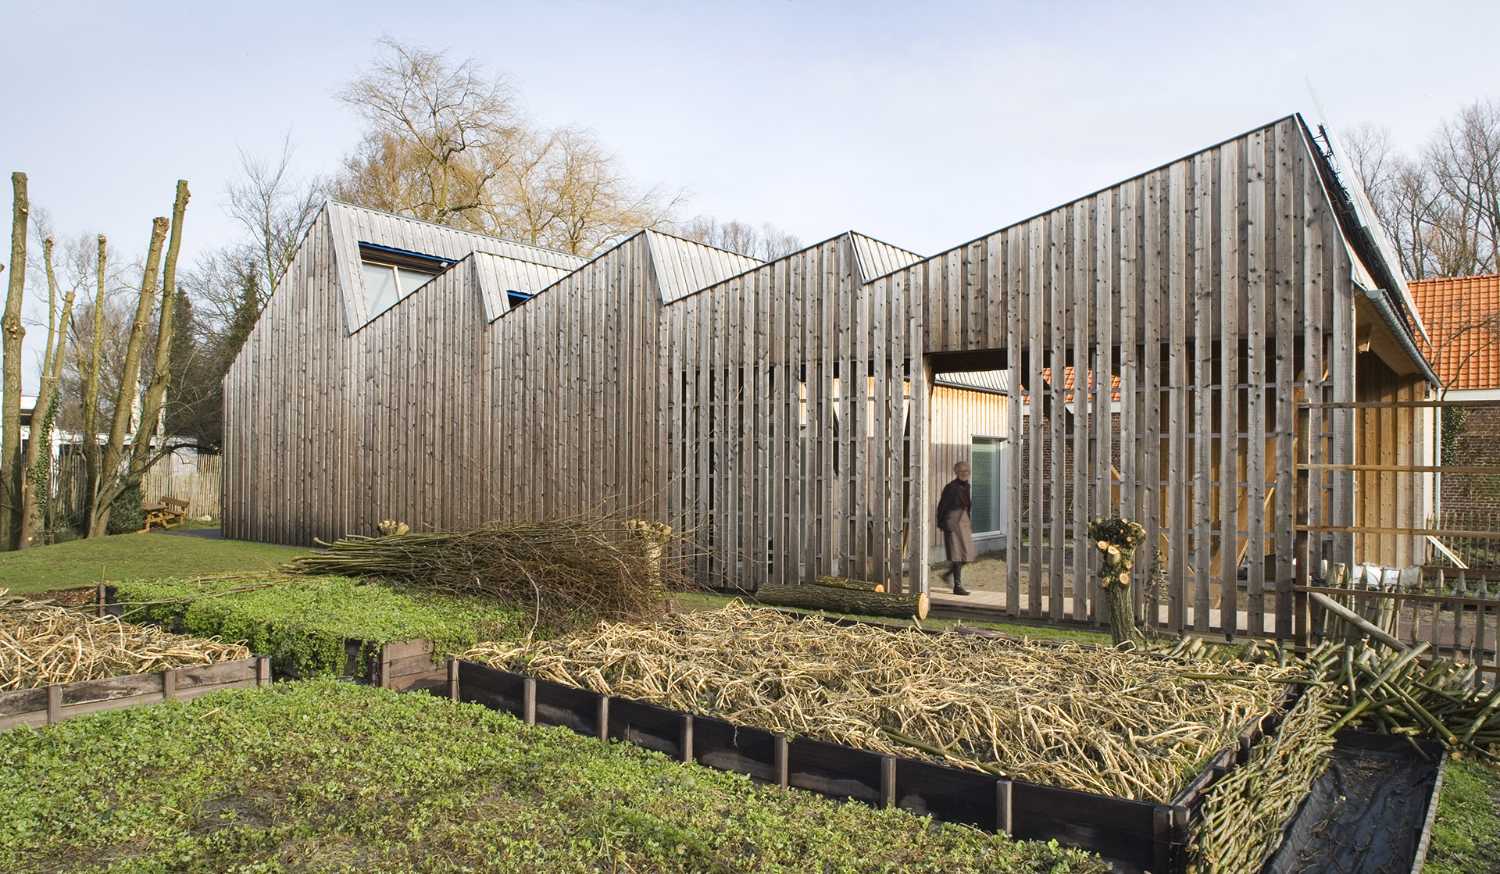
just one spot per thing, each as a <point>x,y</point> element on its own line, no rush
<point>1367,813</point>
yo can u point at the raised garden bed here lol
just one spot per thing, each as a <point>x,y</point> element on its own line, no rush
<point>57,662</point>
<point>1133,835</point>
<point>321,626</point>
<point>1085,718</point>
<point>48,705</point>
<point>327,775</point>
<point>1372,810</point>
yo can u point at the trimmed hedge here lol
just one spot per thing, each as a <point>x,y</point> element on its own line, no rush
<point>322,775</point>
<point>302,623</point>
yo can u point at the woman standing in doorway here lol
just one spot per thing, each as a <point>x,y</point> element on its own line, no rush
<point>954,521</point>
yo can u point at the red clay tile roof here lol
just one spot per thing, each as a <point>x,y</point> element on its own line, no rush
<point>1069,378</point>
<point>1462,315</point>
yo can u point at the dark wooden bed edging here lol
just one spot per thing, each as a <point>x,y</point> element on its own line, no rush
<point>1133,835</point>
<point>49,705</point>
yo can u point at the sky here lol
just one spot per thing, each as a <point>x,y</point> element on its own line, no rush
<point>923,124</point>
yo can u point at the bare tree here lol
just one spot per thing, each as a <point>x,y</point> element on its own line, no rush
<point>448,144</point>
<point>1373,158</point>
<point>114,449</point>
<point>36,480</point>
<point>1442,206</point>
<point>161,373</point>
<point>275,209</point>
<point>15,332</point>
<point>90,425</point>
<point>121,472</point>
<point>767,242</point>
<point>438,135</point>
<point>562,190</point>
<point>1464,159</point>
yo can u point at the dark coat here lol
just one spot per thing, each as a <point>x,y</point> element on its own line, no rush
<point>954,521</point>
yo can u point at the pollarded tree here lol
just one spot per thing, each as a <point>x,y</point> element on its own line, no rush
<point>1117,540</point>
<point>14,333</point>
<point>36,478</point>
<point>121,471</point>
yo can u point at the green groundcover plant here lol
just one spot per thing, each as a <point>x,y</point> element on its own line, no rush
<point>322,775</point>
<point>1468,820</point>
<point>303,623</point>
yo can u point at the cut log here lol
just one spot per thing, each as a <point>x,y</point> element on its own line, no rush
<point>839,600</point>
<point>849,584</point>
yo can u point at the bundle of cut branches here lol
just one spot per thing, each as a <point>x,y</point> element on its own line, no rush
<point>1244,813</point>
<point>570,572</point>
<point>42,644</point>
<point>1401,690</point>
<point>1087,718</point>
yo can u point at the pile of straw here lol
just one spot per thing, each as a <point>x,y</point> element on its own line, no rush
<point>42,644</point>
<point>568,572</point>
<point>1085,718</point>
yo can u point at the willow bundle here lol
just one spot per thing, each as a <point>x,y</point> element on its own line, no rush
<point>42,644</point>
<point>1398,691</point>
<point>568,572</point>
<point>1079,717</point>
<point>1244,813</point>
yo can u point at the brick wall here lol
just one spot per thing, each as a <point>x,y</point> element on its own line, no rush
<point>1065,469</point>
<point>1477,443</point>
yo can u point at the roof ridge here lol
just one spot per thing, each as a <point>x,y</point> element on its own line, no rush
<point>671,236</point>
<point>345,203</point>
<point>1116,184</point>
<point>882,242</point>
<point>1436,279</point>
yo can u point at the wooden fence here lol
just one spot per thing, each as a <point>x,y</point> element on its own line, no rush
<point>1455,611</point>
<point>192,476</point>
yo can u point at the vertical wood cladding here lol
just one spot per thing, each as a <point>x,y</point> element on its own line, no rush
<point>1167,326</point>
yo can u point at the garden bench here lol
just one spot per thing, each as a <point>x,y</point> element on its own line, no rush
<point>167,514</point>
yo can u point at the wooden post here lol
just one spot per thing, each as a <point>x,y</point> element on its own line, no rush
<point>1301,618</point>
<point>99,600</point>
<point>685,733</point>
<point>169,684</point>
<point>54,704</point>
<point>1161,837</point>
<point>1359,621</point>
<point>603,717</point>
<point>452,679</point>
<point>528,701</point>
<point>263,671</point>
<point>1003,807</point>
<point>887,781</point>
<point>385,665</point>
<point>779,760</point>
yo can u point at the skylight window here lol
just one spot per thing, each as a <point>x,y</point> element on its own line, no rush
<point>391,274</point>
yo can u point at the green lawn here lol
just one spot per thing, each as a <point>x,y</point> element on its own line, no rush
<point>134,556</point>
<point>693,601</point>
<point>328,776</point>
<point>1467,828</point>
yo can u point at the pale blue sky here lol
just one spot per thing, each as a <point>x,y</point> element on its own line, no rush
<point>921,124</point>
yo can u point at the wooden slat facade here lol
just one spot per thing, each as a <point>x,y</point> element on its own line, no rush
<point>780,413</point>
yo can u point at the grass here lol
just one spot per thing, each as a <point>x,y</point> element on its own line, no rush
<point>321,775</point>
<point>302,623</point>
<point>699,601</point>
<point>133,556</point>
<point>1468,821</point>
